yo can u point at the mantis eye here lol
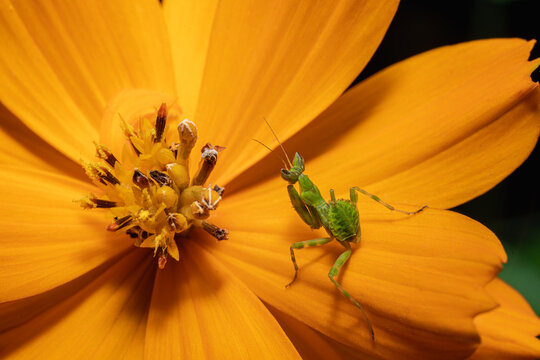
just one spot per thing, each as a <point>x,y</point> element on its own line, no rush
<point>289,176</point>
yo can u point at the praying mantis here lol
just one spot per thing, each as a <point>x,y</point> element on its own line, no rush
<point>339,218</point>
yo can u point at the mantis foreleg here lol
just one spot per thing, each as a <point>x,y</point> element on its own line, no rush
<point>301,245</point>
<point>306,213</point>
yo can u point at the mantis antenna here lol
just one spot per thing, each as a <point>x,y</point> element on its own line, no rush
<point>279,142</point>
<point>263,144</point>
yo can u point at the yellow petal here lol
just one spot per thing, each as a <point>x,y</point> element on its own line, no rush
<point>510,331</point>
<point>15,313</point>
<point>237,62</point>
<point>311,344</point>
<point>46,238</point>
<point>20,146</point>
<point>63,61</point>
<point>199,310</point>
<point>439,129</point>
<point>102,321</point>
<point>420,278</point>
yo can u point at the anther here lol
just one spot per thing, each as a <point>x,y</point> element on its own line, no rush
<point>109,177</point>
<point>220,190</point>
<point>217,232</point>
<point>104,153</point>
<point>160,177</point>
<point>161,119</point>
<point>130,133</point>
<point>104,203</point>
<point>140,179</point>
<point>120,223</point>
<point>98,172</point>
<point>209,155</point>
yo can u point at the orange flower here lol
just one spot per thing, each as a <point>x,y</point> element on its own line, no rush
<point>508,332</point>
<point>437,129</point>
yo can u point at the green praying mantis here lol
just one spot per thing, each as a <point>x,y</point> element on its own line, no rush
<point>339,218</point>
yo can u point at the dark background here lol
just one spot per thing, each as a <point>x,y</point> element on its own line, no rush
<point>511,209</point>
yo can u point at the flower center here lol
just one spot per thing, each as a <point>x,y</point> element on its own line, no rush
<point>150,194</point>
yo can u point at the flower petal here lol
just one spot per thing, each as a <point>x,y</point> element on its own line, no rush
<point>20,146</point>
<point>238,62</point>
<point>311,344</point>
<point>17,312</point>
<point>510,331</point>
<point>420,277</point>
<point>439,128</point>
<point>99,322</point>
<point>46,239</point>
<point>63,61</point>
<point>199,310</point>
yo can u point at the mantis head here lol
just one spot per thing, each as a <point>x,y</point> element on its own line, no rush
<point>297,168</point>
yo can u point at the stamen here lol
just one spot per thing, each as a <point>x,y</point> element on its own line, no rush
<point>220,190</point>
<point>98,172</point>
<point>155,201</point>
<point>109,177</point>
<point>104,203</point>
<point>140,179</point>
<point>92,171</point>
<point>120,223</point>
<point>86,203</point>
<point>161,119</point>
<point>92,202</point>
<point>160,177</point>
<point>217,232</point>
<point>130,133</point>
<point>104,153</point>
<point>208,162</point>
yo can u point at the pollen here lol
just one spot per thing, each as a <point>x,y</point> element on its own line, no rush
<point>149,193</point>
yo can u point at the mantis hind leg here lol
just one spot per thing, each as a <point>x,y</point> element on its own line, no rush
<point>334,271</point>
<point>354,198</point>
<point>301,245</point>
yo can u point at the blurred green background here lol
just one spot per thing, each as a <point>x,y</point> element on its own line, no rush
<point>512,209</point>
